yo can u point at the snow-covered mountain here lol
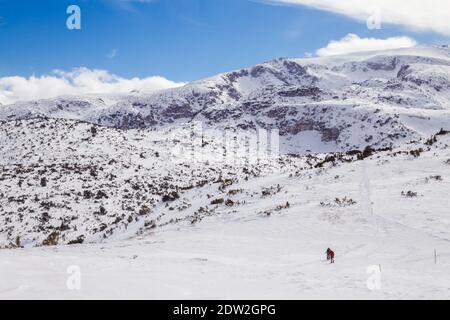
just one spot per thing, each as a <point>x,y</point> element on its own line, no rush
<point>335,103</point>
<point>129,182</point>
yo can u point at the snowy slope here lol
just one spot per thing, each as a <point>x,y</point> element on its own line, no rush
<point>259,248</point>
<point>85,183</point>
<point>73,179</point>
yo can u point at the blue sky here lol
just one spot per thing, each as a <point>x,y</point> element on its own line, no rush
<point>182,40</point>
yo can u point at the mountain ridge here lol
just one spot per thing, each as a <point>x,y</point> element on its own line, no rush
<point>345,102</point>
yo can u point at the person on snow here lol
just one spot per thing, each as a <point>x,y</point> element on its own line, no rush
<point>330,255</point>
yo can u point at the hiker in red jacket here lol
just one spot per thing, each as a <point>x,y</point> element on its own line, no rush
<point>330,255</point>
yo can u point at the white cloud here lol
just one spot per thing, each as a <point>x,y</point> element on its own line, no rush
<point>129,4</point>
<point>417,15</point>
<point>76,82</point>
<point>353,43</point>
<point>112,54</point>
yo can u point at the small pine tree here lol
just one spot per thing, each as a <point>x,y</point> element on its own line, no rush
<point>18,244</point>
<point>93,131</point>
